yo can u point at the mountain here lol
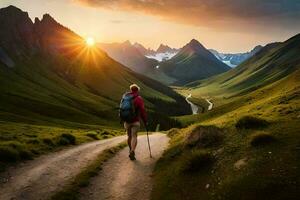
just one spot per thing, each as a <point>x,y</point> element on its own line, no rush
<point>232,60</point>
<point>164,52</point>
<point>191,63</point>
<point>258,99</point>
<point>161,56</point>
<point>143,50</point>
<point>165,48</point>
<point>48,75</point>
<point>128,55</point>
<point>271,64</point>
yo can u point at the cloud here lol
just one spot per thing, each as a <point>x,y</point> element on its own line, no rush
<point>212,13</point>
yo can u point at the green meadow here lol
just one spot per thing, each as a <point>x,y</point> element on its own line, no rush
<point>247,146</point>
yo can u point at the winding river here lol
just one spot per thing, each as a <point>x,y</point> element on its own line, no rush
<point>195,108</point>
<point>210,106</point>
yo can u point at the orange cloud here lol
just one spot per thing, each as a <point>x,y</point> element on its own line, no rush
<point>217,14</point>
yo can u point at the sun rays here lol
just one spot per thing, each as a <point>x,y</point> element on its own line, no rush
<point>90,41</point>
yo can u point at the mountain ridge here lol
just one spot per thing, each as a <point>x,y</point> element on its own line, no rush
<point>272,63</point>
<point>234,59</point>
<point>193,62</point>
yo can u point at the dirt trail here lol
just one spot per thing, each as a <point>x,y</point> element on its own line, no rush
<point>123,179</point>
<point>40,178</point>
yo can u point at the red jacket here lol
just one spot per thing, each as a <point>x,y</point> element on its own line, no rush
<point>139,107</point>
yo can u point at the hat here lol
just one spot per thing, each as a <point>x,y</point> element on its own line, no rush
<point>134,88</point>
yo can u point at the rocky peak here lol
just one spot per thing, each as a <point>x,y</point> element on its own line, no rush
<point>12,14</point>
<point>11,9</point>
<point>48,18</point>
<point>127,43</point>
<point>195,45</point>
<point>37,20</point>
<point>256,49</point>
<point>16,29</point>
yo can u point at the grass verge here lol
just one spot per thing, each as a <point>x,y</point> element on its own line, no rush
<point>19,142</point>
<point>71,191</point>
<point>242,164</point>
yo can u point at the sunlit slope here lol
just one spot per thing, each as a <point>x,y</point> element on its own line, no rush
<point>33,89</point>
<point>272,63</point>
<point>277,101</point>
<point>56,78</point>
<point>254,152</point>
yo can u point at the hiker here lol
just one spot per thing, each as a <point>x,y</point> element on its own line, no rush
<point>132,110</point>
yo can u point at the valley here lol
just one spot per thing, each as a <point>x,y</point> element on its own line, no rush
<point>216,130</point>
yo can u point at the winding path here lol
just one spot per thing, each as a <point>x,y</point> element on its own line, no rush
<point>123,179</point>
<point>40,178</point>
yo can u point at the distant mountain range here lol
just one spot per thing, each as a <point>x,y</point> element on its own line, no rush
<point>276,62</point>
<point>165,48</point>
<point>163,53</point>
<point>130,56</point>
<point>143,50</point>
<point>48,75</point>
<point>232,59</point>
<point>166,64</point>
<point>192,62</point>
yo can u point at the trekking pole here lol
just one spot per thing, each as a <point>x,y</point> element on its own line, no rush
<point>148,140</point>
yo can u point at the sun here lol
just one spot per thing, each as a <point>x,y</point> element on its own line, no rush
<point>90,41</point>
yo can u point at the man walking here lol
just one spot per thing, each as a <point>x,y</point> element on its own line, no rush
<point>132,111</point>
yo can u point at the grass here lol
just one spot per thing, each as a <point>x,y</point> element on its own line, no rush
<point>268,66</point>
<point>260,127</point>
<point>67,138</point>
<point>93,136</point>
<point>14,151</point>
<point>204,136</point>
<point>8,154</point>
<point>39,92</point>
<point>260,122</point>
<point>261,138</point>
<point>250,122</point>
<point>208,172</point>
<point>51,100</point>
<point>270,172</point>
<point>23,141</point>
<point>277,101</point>
<point>71,191</point>
<point>195,161</point>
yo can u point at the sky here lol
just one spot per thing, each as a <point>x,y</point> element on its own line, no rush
<point>229,26</point>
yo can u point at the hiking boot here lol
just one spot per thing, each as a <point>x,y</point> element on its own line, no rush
<point>132,155</point>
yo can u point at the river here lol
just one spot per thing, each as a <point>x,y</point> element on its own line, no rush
<point>210,106</point>
<point>195,108</point>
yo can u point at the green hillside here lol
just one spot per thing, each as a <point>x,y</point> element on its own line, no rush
<point>57,76</point>
<point>247,147</point>
<point>51,83</point>
<point>273,62</point>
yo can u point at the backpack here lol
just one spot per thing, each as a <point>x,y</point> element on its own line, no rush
<point>127,108</point>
